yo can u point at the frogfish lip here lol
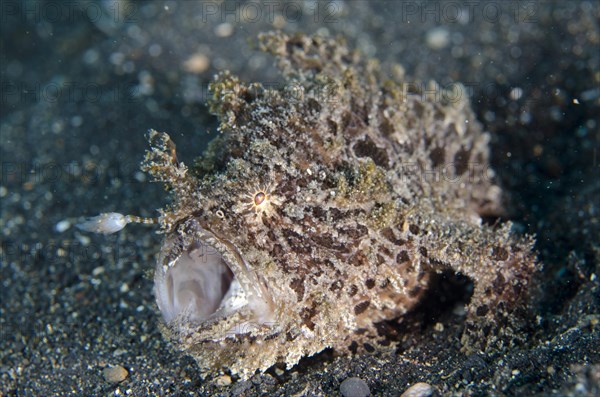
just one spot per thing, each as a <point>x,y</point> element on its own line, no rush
<point>201,277</point>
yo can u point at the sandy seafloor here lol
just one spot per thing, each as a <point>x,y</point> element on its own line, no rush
<point>83,81</point>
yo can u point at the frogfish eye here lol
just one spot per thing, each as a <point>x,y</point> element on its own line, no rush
<point>259,198</point>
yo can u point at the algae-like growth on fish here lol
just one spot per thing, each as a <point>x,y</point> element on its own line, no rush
<point>322,209</point>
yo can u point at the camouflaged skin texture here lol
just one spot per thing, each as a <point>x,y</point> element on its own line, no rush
<point>368,188</point>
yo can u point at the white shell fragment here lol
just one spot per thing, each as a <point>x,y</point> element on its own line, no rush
<point>419,390</point>
<point>106,223</point>
<point>62,226</point>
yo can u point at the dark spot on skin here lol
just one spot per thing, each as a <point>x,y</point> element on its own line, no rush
<point>302,181</point>
<point>280,211</point>
<point>271,337</point>
<point>336,285</point>
<point>386,126</point>
<point>269,226</point>
<point>387,252</point>
<point>423,251</point>
<point>386,329</point>
<point>345,120</point>
<point>437,156</point>
<point>352,124</point>
<point>307,314</point>
<point>297,285</point>
<point>461,161</point>
<point>388,233</point>
<point>329,264</point>
<point>367,148</point>
<point>501,307</point>
<point>499,284</point>
<point>336,214</point>
<point>407,147</point>
<point>368,347</point>
<point>370,283</point>
<point>418,108</point>
<point>328,241</point>
<point>313,105</point>
<point>402,257</point>
<point>287,188</point>
<point>353,347</point>
<point>414,291</point>
<point>277,250</point>
<point>439,114</point>
<point>482,310</point>
<point>517,289</point>
<point>414,229</point>
<point>293,44</point>
<point>359,260</point>
<point>332,127</point>
<point>499,254</point>
<point>361,307</point>
<point>355,232</point>
<point>296,242</point>
<point>319,212</point>
<point>486,330</point>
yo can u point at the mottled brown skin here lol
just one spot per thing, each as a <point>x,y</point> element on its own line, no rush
<point>366,191</point>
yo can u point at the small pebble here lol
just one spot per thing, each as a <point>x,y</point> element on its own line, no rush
<point>98,271</point>
<point>197,63</point>
<point>418,390</point>
<point>437,38</point>
<point>354,387</point>
<point>223,380</point>
<point>62,226</point>
<point>115,374</point>
<point>224,29</point>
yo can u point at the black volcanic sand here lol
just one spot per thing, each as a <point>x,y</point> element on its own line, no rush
<point>82,82</point>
